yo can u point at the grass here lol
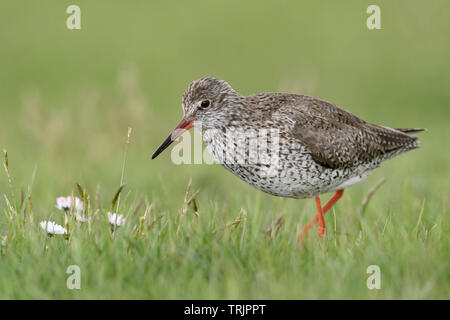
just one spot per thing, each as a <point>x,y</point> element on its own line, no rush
<point>67,99</point>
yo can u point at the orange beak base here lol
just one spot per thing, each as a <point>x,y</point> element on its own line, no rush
<point>181,128</point>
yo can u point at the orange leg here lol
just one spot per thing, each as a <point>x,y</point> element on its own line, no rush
<point>320,213</point>
<point>321,230</point>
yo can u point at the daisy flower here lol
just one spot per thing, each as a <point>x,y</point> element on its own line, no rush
<point>116,219</point>
<point>52,228</point>
<point>65,203</point>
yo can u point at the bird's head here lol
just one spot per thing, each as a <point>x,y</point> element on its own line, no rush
<point>205,101</point>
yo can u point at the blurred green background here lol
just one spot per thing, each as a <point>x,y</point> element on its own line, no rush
<point>67,97</point>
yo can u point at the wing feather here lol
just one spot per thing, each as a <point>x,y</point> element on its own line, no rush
<point>337,138</point>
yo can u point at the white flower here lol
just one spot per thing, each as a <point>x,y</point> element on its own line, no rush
<point>52,227</point>
<point>116,219</point>
<point>65,203</point>
<point>81,218</point>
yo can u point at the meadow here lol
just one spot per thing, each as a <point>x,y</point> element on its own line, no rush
<point>69,97</point>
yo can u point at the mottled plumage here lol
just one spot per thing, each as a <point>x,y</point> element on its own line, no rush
<point>320,147</point>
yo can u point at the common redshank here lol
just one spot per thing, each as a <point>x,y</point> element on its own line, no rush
<point>314,146</point>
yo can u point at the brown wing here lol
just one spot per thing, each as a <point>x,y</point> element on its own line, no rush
<point>337,138</point>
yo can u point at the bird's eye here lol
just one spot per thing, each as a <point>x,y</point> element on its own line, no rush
<point>205,103</point>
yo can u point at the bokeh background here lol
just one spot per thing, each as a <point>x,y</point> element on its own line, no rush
<point>67,97</point>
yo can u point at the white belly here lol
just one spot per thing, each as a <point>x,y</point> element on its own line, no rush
<point>353,180</point>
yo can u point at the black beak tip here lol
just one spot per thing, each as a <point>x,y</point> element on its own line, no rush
<point>162,147</point>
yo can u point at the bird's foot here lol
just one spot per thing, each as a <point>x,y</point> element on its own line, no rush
<point>319,217</point>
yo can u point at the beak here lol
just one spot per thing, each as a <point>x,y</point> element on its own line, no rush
<point>181,128</point>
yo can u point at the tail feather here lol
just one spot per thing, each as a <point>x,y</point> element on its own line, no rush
<point>398,140</point>
<point>415,143</point>
<point>411,130</point>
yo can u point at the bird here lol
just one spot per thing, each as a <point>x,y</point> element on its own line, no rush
<point>288,145</point>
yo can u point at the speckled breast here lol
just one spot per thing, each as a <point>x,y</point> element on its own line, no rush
<point>285,170</point>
